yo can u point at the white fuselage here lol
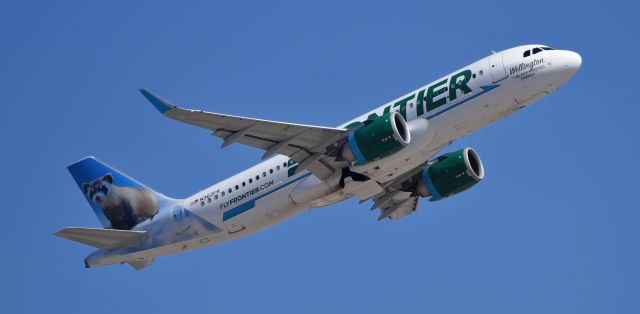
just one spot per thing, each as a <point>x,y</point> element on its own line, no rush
<point>261,196</point>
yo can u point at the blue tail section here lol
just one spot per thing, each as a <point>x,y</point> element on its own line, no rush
<point>119,201</point>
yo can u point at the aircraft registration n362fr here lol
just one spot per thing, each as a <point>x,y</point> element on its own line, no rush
<point>387,155</point>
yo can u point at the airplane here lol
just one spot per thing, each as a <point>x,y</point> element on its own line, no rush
<point>385,155</point>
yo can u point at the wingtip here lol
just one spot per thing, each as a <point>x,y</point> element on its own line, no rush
<point>60,233</point>
<point>161,105</point>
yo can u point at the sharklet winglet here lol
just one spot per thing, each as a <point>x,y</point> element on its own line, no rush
<point>162,105</point>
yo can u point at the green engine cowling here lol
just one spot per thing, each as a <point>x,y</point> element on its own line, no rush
<point>379,138</point>
<point>450,174</point>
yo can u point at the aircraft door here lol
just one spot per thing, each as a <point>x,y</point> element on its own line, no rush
<point>496,65</point>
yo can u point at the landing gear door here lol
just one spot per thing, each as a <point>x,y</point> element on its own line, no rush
<point>498,72</point>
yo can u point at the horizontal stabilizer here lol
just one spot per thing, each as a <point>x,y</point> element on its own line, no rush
<point>102,238</point>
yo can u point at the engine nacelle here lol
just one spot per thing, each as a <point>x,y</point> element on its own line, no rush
<point>379,138</point>
<point>450,174</point>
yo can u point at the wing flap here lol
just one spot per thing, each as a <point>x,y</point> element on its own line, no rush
<point>398,210</point>
<point>103,238</point>
<point>141,263</point>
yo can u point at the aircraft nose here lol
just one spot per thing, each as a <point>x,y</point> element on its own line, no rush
<point>572,61</point>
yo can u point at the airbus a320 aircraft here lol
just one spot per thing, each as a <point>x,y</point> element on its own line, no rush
<point>385,155</point>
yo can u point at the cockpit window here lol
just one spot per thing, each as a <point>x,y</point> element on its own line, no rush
<point>535,50</point>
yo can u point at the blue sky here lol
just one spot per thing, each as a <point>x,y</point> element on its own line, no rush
<point>552,229</point>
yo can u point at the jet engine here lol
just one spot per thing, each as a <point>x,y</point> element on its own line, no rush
<point>450,174</point>
<point>378,138</point>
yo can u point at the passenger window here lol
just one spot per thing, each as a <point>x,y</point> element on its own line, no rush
<point>536,50</point>
<point>237,187</point>
<point>270,170</point>
<point>230,190</point>
<point>284,164</point>
<point>278,168</point>
<point>264,174</point>
<point>215,196</point>
<point>243,184</point>
<point>257,177</point>
<point>222,193</point>
<point>250,181</point>
<point>527,53</point>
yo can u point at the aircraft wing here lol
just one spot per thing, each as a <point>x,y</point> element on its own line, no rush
<point>313,147</point>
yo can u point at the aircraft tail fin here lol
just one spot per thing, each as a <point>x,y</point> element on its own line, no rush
<point>119,201</point>
<point>103,238</point>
